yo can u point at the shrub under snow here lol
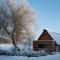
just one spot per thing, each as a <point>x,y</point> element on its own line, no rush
<point>6,49</point>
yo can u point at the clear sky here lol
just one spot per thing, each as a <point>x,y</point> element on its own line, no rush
<point>48,14</point>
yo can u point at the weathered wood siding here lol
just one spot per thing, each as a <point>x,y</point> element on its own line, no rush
<point>49,45</point>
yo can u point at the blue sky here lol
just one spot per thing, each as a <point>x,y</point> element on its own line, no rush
<point>48,14</point>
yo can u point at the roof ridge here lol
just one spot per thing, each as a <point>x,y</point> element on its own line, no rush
<point>54,32</point>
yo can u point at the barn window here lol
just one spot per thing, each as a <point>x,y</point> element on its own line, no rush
<point>40,45</point>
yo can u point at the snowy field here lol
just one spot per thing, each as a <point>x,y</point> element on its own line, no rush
<point>49,57</point>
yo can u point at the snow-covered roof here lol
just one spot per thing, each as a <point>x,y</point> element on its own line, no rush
<point>55,36</point>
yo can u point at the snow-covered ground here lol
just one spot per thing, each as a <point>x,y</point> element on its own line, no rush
<point>6,47</point>
<point>9,48</point>
<point>48,57</point>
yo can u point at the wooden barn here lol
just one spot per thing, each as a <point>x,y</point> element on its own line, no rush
<point>48,40</point>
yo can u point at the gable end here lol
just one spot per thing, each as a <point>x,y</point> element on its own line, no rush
<point>45,36</point>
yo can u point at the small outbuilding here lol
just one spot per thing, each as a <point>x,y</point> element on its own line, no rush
<point>47,40</point>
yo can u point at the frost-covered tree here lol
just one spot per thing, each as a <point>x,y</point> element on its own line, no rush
<point>18,20</point>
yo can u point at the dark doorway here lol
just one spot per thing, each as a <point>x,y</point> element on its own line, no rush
<point>40,45</point>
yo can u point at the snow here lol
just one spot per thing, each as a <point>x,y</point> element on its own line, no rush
<point>24,46</point>
<point>49,57</point>
<point>6,47</point>
<point>55,36</point>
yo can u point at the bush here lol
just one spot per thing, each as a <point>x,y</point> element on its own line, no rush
<point>6,52</point>
<point>29,53</point>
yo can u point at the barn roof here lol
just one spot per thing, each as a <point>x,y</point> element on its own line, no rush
<point>55,36</point>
